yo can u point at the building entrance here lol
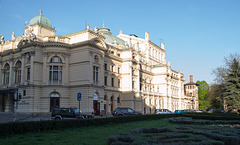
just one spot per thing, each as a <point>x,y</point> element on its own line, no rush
<point>7,101</point>
<point>96,104</point>
<point>54,101</point>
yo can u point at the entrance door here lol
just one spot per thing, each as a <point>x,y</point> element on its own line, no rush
<point>2,103</point>
<point>54,101</point>
<point>111,104</point>
<point>96,107</point>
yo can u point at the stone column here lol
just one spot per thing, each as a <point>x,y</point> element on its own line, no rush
<point>91,68</point>
<point>66,70</point>
<point>32,53</point>
<point>44,75</point>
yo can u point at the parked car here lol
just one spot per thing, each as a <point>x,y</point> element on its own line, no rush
<point>86,116</point>
<point>216,111</point>
<point>125,112</point>
<point>186,111</point>
<point>68,113</point>
<point>162,111</point>
<point>179,111</point>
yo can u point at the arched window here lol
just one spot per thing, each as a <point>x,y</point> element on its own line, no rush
<point>17,72</point>
<point>55,71</point>
<point>6,74</point>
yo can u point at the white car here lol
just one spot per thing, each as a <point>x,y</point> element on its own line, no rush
<point>162,111</point>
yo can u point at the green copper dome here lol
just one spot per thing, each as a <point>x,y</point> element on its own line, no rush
<point>110,39</point>
<point>40,20</point>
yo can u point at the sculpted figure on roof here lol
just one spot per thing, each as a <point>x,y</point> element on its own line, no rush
<point>1,39</point>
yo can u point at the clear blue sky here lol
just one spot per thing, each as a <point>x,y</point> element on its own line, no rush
<point>198,34</point>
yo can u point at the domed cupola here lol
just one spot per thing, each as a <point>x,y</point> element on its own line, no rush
<point>110,39</point>
<point>41,20</point>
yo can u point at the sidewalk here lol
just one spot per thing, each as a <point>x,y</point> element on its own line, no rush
<point>9,117</point>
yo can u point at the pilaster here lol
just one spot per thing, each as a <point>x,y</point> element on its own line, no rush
<point>22,68</point>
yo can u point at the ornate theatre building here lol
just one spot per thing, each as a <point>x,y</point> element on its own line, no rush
<point>41,71</point>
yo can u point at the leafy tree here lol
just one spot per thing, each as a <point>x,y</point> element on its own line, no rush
<point>215,96</point>
<point>203,89</point>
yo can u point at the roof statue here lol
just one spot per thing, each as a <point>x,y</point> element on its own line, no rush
<point>13,36</point>
<point>29,35</point>
<point>1,39</point>
<point>41,12</point>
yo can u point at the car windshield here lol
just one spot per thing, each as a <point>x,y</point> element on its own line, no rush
<point>130,110</point>
<point>77,111</point>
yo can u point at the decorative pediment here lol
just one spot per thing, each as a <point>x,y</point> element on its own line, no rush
<point>98,42</point>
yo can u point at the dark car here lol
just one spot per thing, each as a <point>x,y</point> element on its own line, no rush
<point>125,112</point>
<point>68,113</point>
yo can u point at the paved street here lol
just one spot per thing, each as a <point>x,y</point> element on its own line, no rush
<point>9,117</point>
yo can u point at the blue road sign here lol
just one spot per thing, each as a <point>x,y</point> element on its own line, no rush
<point>79,96</point>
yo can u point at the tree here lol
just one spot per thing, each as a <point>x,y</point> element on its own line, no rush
<point>229,77</point>
<point>215,96</point>
<point>232,85</point>
<point>203,89</point>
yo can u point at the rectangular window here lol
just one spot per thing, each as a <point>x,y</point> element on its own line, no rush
<point>105,66</point>
<point>28,73</point>
<point>119,83</point>
<point>6,78</point>
<point>112,82</point>
<point>118,69</point>
<point>55,74</point>
<point>105,81</point>
<point>18,76</point>
<point>24,92</point>
<point>95,74</point>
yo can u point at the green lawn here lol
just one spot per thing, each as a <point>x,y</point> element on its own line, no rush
<point>85,136</point>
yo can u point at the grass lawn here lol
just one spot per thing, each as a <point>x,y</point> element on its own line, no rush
<point>85,136</point>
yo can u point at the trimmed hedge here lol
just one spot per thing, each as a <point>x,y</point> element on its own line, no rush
<point>37,126</point>
<point>212,116</point>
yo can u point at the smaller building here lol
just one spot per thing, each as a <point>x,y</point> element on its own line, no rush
<point>191,95</point>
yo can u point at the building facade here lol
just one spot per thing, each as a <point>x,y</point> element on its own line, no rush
<point>41,71</point>
<point>191,95</point>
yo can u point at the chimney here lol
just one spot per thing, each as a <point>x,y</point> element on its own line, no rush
<point>191,78</point>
